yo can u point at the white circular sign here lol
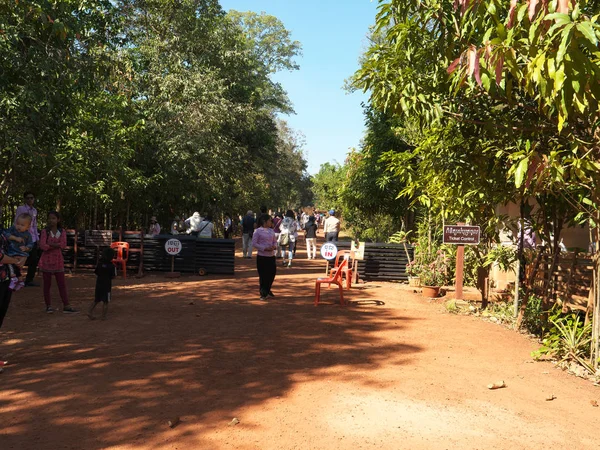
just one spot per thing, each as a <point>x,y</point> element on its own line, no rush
<point>173,247</point>
<point>329,250</point>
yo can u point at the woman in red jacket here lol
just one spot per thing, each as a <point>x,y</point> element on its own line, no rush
<point>52,242</point>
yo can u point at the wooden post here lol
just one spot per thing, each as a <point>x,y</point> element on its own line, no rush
<point>141,268</point>
<point>460,268</point>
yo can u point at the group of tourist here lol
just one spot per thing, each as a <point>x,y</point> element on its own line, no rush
<point>276,237</point>
<point>23,243</point>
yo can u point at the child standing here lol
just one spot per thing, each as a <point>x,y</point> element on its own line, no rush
<point>52,242</point>
<point>20,244</point>
<point>105,272</point>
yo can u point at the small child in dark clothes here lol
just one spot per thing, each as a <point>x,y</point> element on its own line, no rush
<point>105,272</point>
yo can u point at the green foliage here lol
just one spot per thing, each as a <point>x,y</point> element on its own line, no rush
<point>129,108</point>
<point>566,338</point>
<point>503,256</point>
<point>327,186</point>
<point>533,320</point>
<point>503,312</point>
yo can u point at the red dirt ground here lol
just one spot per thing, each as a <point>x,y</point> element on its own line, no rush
<point>390,371</point>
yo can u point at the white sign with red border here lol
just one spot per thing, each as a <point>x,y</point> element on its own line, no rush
<point>173,247</point>
<point>329,250</point>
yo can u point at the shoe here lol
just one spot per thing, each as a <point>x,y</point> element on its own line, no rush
<point>283,263</point>
<point>248,257</point>
<point>264,299</point>
<point>31,284</point>
<point>69,310</point>
<point>49,309</point>
<point>270,294</point>
<point>289,264</point>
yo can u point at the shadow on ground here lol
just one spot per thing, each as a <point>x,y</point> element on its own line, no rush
<point>195,348</point>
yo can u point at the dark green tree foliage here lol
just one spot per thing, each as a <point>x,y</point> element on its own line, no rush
<point>372,208</point>
<point>129,108</point>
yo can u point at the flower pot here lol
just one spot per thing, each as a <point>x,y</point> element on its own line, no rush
<point>414,281</point>
<point>431,291</point>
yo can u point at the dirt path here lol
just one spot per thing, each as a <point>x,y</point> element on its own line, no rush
<point>390,371</point>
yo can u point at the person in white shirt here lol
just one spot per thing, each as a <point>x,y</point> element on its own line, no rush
<point>332,227</point>
<point>206,228</point>
<point>288,236</point>
<point>154,226</point>
<point>193,223</point>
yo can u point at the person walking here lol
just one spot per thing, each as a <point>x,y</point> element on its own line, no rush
<point>277,229</point>
<point>193,224</point>
<point>248,226</point>
<point>34,254</point>
<point>287,238</point>
<point>332,227</point>
<point>265,243</point>
<point>53,241</point>
<point>227,226</point>
<point>310,230</point>
<point>207,228</point>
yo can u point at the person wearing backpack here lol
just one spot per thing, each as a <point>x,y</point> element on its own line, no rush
<point>287,238</point>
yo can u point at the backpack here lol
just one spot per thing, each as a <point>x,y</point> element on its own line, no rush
<point>284,238</point>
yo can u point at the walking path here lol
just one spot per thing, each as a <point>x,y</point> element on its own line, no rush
<point>390,371</point>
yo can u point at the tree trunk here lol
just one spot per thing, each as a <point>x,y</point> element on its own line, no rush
<point>595,350</point>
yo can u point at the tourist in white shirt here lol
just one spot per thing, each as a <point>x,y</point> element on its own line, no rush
<point>332,227</point>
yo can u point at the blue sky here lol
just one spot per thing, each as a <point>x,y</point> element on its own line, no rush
<point>333,36</point>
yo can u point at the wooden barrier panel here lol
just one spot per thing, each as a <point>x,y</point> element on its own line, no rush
<point>211,255</point>
<point>382,261</point>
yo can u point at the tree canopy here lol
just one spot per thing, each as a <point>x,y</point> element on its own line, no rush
<point>131,108</point>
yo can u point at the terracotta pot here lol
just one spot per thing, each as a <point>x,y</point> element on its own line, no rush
<point>431,291</point>
<point>414,281</point>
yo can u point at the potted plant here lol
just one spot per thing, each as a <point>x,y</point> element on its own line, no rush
<point>434,274</point>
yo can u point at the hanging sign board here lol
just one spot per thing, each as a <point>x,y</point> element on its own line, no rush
<point>329,250</point>
<point>461,234</point>
<point>173,247</point>
<point>359,250</point>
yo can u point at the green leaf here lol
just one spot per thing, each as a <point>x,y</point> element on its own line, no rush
<point>521,171</point>
<point>564,43</point>
<point>587,29</point>
<point>561,18</point>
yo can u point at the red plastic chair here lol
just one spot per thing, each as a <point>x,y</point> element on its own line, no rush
<point>336,279</point>
<point>347,270</point>
<point>122,250</point>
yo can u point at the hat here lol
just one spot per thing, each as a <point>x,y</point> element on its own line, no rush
<point>332,212</point>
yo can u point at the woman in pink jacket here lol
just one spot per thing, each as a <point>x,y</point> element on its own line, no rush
<point>265,242</point>
<point>52,242</point>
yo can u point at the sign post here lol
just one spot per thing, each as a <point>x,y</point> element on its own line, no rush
<point>329,252</point>
<point>358,250</point>
<point>173,248</point>
<point>461,235</point>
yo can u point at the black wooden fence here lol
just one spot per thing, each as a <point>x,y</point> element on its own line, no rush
<point>211,255</point>
<point>382,262</point>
